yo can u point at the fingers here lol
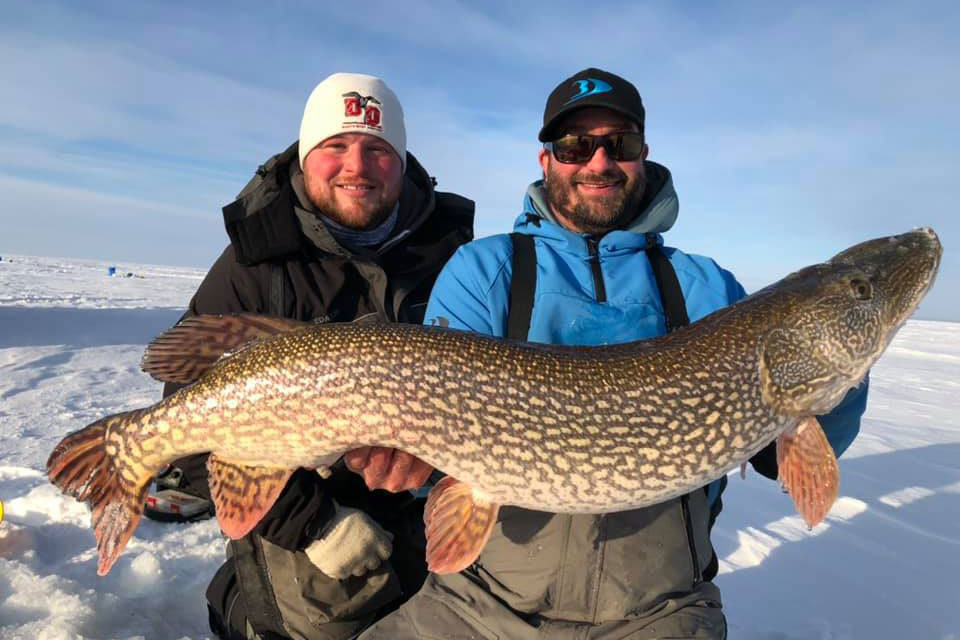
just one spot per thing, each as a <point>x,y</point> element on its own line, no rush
<point>377,556</point>
<point>395,474</point>
<point>387,468</point>
<point>419,474</point>
<point>355,545</point>
<point>378,466</point>
<point>405,472</point>
<point>357,459</point>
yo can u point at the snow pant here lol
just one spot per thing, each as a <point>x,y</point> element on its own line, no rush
<point>458,607</point>
<point>266,592</point>
<point>629,575</point>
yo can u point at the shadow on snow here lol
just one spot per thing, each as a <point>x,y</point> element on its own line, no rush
<point>40,326</point>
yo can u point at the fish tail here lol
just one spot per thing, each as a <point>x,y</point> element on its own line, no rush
<point>87,465</point>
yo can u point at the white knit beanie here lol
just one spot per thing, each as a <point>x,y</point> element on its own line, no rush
<point>353,103</point>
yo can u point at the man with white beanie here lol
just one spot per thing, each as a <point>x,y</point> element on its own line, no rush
<point>343,226</point>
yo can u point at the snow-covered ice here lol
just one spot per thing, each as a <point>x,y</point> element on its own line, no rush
<point>884,565</point>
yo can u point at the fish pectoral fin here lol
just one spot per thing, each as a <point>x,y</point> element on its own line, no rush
<point>808,469</point>
<point>458,525</point>
<point>188,350</point>
<point>242,495</point>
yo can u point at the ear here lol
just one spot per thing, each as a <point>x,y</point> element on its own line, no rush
<point>646,151</point>
<point>545,160</point>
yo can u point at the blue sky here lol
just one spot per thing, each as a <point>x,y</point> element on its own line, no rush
<point>791,132</point>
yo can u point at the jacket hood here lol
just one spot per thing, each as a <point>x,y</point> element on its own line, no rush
<point>658,209</point>
<point>262,222</point>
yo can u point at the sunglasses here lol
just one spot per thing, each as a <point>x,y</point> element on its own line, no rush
<point>577,149</point>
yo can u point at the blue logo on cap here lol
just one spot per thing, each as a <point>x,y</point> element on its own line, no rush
<point>588,87</point>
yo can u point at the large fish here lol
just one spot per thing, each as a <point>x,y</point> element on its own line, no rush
<point>553,428</point>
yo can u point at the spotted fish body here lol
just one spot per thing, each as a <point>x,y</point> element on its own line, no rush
<point>556,429</point>
<point>546,427</point>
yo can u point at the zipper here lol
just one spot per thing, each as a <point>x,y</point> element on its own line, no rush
<point>229,611</point>
<point>599,287</point>
<point>692,545</point>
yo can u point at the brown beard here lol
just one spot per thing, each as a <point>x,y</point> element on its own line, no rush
<point>599,215</point>
<point>330,208</point>
<point>326,203</point>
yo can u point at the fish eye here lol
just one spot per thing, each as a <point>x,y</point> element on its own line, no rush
<point>862,290</point>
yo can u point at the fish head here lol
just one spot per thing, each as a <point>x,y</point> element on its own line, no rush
<point>840,316</point>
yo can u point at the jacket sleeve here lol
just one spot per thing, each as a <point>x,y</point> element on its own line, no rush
<point>305,505</point>
<point>471,293</point>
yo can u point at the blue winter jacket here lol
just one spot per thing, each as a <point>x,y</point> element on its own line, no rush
<point>598,291</point>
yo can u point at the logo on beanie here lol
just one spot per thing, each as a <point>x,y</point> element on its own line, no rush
<point>588,87</point>
<point>363,107</point>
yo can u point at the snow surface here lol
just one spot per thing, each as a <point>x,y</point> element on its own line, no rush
<point>884,565</point>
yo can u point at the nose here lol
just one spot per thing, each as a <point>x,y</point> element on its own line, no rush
<point>354,159</point>
<point>601,160</point>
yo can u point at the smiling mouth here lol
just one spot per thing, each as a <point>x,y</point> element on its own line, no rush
<point>599,185</point>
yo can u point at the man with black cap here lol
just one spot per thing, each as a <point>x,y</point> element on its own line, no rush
<point>586,265</point>
<point>343,226</point>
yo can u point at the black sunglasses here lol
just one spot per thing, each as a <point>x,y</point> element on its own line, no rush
<point>577,149</point>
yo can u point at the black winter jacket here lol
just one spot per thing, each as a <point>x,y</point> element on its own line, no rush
<point>272,267</point>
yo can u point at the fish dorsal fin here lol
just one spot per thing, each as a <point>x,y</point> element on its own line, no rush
<point>188,350</point>
<point>242,495</point>
<point>458,525</point>
<point>808,469</point>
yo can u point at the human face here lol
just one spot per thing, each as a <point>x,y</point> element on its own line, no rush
<point>601,194</point>
<point>353,178</point>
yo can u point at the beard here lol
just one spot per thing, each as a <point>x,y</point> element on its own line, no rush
<point>355,216</point>
<point>595,214</point>
<point>352,214</point>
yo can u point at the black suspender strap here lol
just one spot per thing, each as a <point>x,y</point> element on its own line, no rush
<point>674,306</point>
<point>260,601</point>
<point>523,284</point>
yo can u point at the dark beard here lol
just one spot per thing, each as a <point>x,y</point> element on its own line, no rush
<point>599,215</point>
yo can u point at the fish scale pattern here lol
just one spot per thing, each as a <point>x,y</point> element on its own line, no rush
<point>564,429</point>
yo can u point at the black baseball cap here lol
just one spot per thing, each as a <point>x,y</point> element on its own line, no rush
<point>591,88</point>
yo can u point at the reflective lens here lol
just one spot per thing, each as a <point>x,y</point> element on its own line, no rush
<point>622,147</point>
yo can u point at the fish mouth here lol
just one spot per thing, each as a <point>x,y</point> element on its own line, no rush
<point>922,239</point>
<point>912,257</point>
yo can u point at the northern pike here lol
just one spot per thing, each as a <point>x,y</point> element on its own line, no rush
<point>544,427</point>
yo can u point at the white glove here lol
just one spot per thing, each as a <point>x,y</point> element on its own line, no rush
<point>351,545</point>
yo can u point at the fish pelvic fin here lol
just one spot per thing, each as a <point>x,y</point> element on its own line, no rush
<point>808,469</point>
<point>242,494</point>
<point>185,352</point>
<point>458,525</point>
<point>87,466</point>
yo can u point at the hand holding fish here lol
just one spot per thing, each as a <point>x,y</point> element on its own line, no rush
<point>351,545</point>
<point>387,468</point>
